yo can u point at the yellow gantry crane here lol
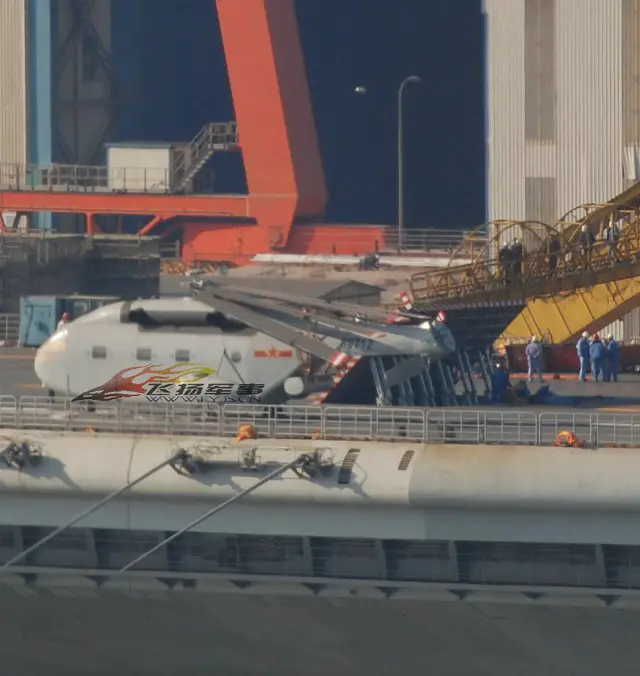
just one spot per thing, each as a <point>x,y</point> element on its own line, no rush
<point>569,288</point>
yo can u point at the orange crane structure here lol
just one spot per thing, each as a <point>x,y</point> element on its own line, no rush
<point>276,134</point>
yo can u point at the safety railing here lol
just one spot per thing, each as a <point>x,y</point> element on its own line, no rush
<point>436,426</point>
<point>553,255</point>
<point>447,245</point>
<point>77,178</point>
<point>213,137</point>
<point>9,329</point>
<point>460,243</point>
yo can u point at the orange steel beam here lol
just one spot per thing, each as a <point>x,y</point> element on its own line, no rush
<point>151,225</point>
<point>280,148</point>
<point>273,110</point>
<point>129,203</point>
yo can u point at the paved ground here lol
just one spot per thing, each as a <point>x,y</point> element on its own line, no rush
<point>623,396</point>
<point>232,635</point>
<point>17,378</point>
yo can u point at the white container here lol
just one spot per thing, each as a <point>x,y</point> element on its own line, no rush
<point>139,167</point>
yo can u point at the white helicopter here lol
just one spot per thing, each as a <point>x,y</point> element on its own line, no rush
<point>223,343</point>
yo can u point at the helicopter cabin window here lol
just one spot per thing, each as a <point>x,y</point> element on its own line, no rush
<point>143,354</point>
<point>182,355</point>
<point>99,352</point>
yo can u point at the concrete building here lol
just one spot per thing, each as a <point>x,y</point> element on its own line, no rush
<point>563,107</point>
<point>56,74</point>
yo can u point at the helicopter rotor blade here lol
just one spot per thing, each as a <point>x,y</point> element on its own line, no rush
<point>269,326</point>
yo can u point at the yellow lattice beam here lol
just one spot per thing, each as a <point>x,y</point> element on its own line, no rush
<point>564,317</point>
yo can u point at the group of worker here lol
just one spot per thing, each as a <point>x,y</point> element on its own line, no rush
<point>511,255</point>
<point>510,258</point>
<point>598,357</point>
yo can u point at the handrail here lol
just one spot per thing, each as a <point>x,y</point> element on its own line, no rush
<point>539,265</point>
<point>78,178</point>
<point>214,136</point>
<point>391,424</point>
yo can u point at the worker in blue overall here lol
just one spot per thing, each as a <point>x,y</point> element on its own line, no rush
<point>584,355</point>
<point>597,355</point>
<point>534,358</point>
<point>500,383</point>
<point>611,360</point>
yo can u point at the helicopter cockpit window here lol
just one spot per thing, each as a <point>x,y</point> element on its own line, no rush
<point>182,355</point>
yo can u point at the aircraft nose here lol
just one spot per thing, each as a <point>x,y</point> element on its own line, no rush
<point>50,362</point>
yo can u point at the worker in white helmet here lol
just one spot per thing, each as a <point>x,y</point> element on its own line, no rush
<point>63,321</point>
<point>583,349</point>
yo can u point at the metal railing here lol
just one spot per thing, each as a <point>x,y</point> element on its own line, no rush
<point>213,137</point>
<point>553,256</point>
<point>450,245</point>
<point>438,426</point>
<point>457,243</point>
<point>9,328</point>
<point>77,178</point>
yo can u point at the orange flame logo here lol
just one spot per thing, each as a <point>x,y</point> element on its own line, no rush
<point>133,381</point>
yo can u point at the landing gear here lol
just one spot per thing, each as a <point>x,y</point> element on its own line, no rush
<point>51,394</point>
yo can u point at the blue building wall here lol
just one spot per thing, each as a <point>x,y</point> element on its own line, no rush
<point>41,38</point>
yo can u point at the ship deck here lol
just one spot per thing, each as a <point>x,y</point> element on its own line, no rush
<point>17,378</point>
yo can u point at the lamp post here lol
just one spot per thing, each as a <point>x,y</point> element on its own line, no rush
<point>408,80</point>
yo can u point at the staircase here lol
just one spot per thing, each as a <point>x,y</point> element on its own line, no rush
<point>213,137</point>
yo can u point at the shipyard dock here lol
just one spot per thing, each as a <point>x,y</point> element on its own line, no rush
<point>413,546</point>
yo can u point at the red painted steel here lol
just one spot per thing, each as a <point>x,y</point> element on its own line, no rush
<point>240,243</point>
<point>273,109</point>
<point>279,144</point>
<point>162,205</point>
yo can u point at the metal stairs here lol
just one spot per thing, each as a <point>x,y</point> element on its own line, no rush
<point>213,137</point>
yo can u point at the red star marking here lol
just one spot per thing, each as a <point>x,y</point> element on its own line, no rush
<point>273,353</point>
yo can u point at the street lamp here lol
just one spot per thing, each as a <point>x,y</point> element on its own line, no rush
<point>411,79</point>
<point>408,80</point>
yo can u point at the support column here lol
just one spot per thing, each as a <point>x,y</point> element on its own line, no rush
<point>91,224</point>
<point>85,105</point>
<point>151,225</point>
<point>40,36</point>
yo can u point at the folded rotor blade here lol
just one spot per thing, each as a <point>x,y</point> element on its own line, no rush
<point>326,326</point>
<point>322,325</point>
<point>268,326</point>
<point>319,324</point>
<point>346,309</point>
